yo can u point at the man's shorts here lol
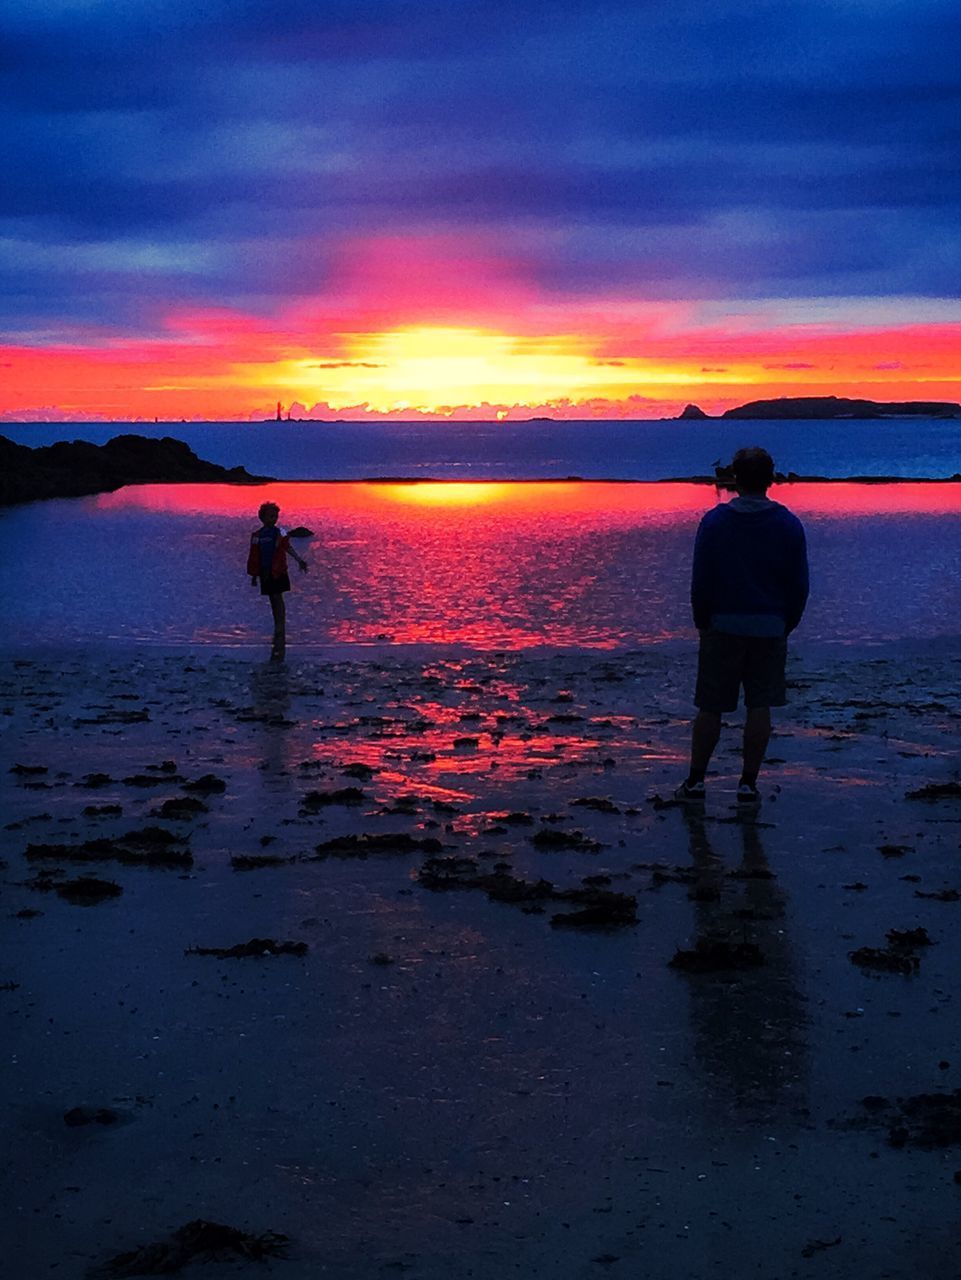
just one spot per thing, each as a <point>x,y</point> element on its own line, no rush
<point>726,662</point>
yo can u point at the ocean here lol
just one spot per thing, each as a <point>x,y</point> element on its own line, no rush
<point>491,565</point>
<point>905,447</point>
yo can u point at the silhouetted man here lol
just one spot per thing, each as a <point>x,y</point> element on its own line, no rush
<point>749,586</point>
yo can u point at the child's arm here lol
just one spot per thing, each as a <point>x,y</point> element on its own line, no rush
<point>253,560</point>
<point>301,562</point>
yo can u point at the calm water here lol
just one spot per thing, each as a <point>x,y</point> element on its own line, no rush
<point>502,564</point>
<point>543,450</point>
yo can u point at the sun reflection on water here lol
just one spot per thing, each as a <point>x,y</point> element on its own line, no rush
<point>484,565</point>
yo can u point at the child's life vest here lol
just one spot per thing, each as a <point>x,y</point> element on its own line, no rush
<point>267,557</point>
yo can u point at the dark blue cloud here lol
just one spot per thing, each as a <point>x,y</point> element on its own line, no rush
<point>222,151</point>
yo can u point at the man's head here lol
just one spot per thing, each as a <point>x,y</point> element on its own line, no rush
<point>268,513</point>
<point>753,470</point>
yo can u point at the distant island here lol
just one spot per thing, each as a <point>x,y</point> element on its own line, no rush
<point>72,469</point>
<point>692,413</point>
<point>800,407</point>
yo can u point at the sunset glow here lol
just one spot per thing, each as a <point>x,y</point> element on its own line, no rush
<point>431,213</point>
<point>218,365</point>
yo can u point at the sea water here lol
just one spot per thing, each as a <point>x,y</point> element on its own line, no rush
<point>637,450</point>
<point>483,565</point>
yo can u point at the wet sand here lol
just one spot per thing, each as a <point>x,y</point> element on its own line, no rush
<point>422,1072</point>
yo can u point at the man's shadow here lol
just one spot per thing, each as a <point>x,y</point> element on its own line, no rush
<point>749,1025</point>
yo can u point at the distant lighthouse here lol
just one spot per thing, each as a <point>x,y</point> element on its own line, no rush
<point>279,415</point>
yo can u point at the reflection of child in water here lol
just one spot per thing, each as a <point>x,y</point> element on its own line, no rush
<point>267,562</point>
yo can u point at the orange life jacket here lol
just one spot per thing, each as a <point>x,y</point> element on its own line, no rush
<point>278,564</point>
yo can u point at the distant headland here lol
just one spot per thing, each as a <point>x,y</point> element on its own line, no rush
<point>800,407</point>
<point>72,469</point>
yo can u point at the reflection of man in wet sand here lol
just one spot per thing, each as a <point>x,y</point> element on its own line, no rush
<point>267,562</point>
<point>750,1027</point>
<point>749,586</point>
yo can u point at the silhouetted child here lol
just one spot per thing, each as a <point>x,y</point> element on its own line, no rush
<point>267,563</point>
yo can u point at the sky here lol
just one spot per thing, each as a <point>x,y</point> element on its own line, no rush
<point>569,208</point>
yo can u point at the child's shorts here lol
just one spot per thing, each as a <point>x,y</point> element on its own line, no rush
<point>272,586</point>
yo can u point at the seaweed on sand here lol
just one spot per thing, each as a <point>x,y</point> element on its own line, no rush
<point>552,840</point>
<point>151,846</point>
<point>255,947</point>
<point>315,800</point>
<point>385,843</point>
<point>886,959</point>
<point>717,955</point>
<point>180,807</point>
<point>255,861</point>
<point>936,791</point>
<point>926,1120</point>
<point>599,908</point>
<point>84,891</point>
<point>197,1241</point>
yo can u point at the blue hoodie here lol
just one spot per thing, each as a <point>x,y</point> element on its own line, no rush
<point>750,571</point>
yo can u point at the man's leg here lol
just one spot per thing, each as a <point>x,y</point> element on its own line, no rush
<point>278,609</point>
<point>704,737</point>
<point>757,733</point>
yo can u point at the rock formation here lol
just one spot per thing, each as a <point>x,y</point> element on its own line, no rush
<point>70,469</point>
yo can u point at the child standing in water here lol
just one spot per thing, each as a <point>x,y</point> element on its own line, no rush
<point>267,562</point>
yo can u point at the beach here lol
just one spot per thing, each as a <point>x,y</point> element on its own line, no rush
<point>390,400</point>
<point>429,1065</point>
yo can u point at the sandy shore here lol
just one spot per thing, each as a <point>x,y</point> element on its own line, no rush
<point>447,1082</point>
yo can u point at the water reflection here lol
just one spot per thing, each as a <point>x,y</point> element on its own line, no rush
<point>267,721</point>
<point>485,565</point>
<point>749,1028</point>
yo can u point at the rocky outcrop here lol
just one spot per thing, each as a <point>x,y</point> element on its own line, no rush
<point>692,412</point>
<point>70,469</point>
<point>840,407</point>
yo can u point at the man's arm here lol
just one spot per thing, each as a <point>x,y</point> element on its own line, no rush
<point>701,605</point>
<point>798,579</point>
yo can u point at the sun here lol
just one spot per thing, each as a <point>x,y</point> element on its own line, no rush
<point>432,367</point>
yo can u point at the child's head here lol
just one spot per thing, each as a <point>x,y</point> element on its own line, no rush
<point>268,513</point>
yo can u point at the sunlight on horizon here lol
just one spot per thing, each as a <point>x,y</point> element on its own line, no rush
<point>432,367</point>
